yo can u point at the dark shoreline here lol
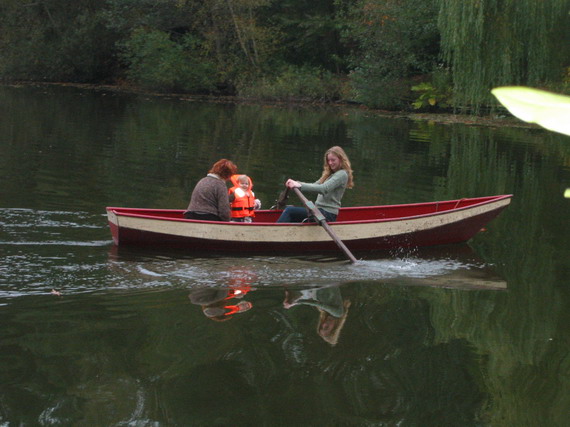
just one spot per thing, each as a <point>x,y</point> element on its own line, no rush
<point>441,118</point>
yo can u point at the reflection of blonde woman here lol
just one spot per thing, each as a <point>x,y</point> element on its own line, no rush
<point>328,301</point>
<point>329,326</point>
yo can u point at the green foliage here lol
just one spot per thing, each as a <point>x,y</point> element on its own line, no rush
<point>384,47</point>
<point>55,41</point>
<point>296,83</point>
<point>432,96</point>
<point>309,33</point>
<point>156,62</point>
<point>491,43</point>
<point>379,91</point>
<point>395,41</point>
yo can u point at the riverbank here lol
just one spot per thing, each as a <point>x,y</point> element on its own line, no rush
<point>441,118</point>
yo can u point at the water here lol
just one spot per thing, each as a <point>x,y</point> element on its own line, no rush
<point>92,334</point>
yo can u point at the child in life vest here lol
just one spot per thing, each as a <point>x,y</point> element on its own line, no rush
<point>242,199</point>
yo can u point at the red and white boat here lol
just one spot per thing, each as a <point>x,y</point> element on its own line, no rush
<point>362,229</point>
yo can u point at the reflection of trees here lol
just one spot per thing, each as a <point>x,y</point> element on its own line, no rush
<point>519,333</point>
<point>73,363</point>
<point>113,137</point>
<point>376,373</point>
<point>389,363</point>
<point>386,370</point>
<point>214,393</point>
<point>155,357</point>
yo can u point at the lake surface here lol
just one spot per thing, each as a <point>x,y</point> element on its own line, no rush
<point>91,334</point>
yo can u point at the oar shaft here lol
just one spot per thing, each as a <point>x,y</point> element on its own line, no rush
<point>322,221</point>
<point>339,242</point>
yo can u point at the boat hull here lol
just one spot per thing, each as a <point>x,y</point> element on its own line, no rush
<point>361,229</point>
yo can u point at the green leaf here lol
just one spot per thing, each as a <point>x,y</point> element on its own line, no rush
<point>567,193</point>
<point>431,101</point>
<point>549,110</point>
<point>422,86</point>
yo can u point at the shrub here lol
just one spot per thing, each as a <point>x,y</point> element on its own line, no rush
<point>156,62</point>
<point>295,83</point>
<point>378,91</point>
<point>396,41</point>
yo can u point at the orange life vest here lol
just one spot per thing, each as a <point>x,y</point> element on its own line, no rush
<point>244,201</point>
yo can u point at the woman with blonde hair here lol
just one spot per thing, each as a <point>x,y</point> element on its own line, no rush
<point>336,177</point>
<point>209,200</point>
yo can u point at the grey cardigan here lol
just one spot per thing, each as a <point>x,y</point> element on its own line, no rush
<point>329,192</point>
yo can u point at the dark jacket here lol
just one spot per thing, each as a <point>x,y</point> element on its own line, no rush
<point>211,196</point>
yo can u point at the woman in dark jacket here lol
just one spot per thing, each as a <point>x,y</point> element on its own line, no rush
<point>209,201</point>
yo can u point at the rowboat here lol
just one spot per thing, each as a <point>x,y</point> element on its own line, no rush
<point>362,229</point>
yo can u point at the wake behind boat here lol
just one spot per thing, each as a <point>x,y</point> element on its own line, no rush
<point>362,229</point>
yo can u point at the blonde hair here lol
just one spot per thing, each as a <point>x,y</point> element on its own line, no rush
<point>332,336</point>
<point>344,164</point>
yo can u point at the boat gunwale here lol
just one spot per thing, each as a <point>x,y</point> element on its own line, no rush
<point>488,200</point>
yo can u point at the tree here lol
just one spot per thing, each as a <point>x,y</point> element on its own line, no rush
<point>55,40</point>
<point>309,32</point>
<point>231,33</point>
<point>491,43</point>
<point>395,40</point>
<point>157,62</point>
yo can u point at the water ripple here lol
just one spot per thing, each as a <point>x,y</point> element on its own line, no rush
<point>71,252</point>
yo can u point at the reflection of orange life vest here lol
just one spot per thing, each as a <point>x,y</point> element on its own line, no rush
<point>244,201</point>
<point>237,292</point>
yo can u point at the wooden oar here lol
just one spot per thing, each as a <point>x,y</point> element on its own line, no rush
<point>322,222</point>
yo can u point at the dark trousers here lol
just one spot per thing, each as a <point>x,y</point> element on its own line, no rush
<point>201,216</point>
<point>299,214</point>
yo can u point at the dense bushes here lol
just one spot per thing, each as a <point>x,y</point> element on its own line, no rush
<point>56,40</point>
<point>369,51</point>
<point>396,41</point>
<point>156,62</point>
<point>296,83</point>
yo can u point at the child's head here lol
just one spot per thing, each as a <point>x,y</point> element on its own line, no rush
<point>243,182</point>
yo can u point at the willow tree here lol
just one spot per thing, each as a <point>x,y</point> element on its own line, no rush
<point>491,43</point>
